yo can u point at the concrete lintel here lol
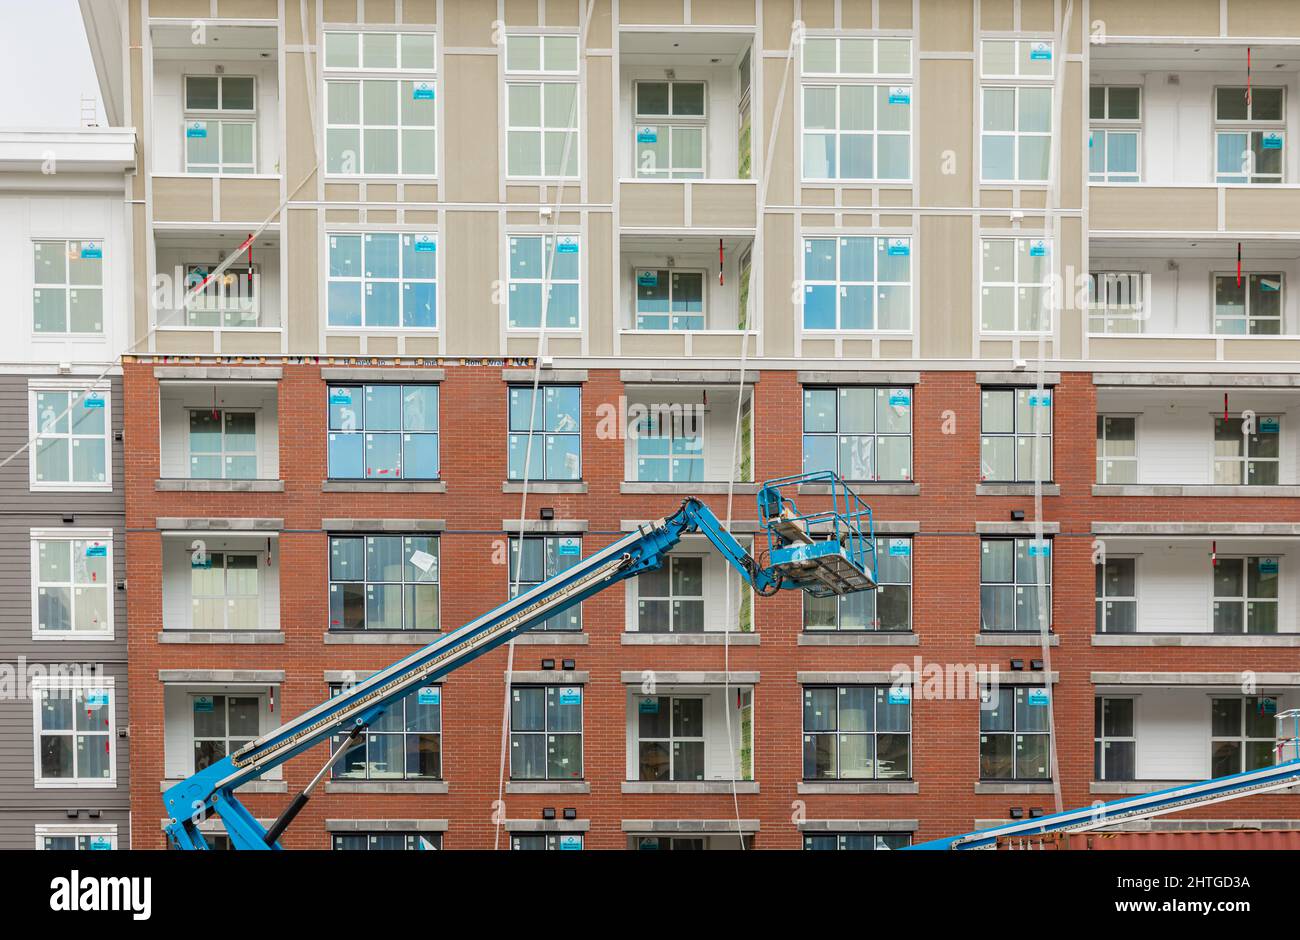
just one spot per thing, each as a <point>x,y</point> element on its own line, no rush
<point>386,825</point>
<point>233,676</point>
<point>1204,529</point>
<point>1194,679</point>
<point>383,486</point>
<point>1187,489</point>
<point>221,637</point>
<point>1023,379</point>
<point>218,486</point>
<point>663,678</point>
<point>551,676</point>
<point>855,377</point>
<point>549,376</point>
<point>544,525</point>
<point>747,787</point>
<point>381,374</point>
<point>864,489</point>
<point>688,826</point>
<point>996,788</point>
<point>383,525</point>
<point>718,638</point>
<point>738,526</point>
<point>548,825</point>
<point>544,488</point>
<point>1196,639</point>
<point>859,825</point>
<point>852,638</point>
<point>425,787</point>
<point>555,787</point>
<point>380,638</point>
<point>1015,489</point>
<point>688,489</point>
<point>686,376</point>
<point>1197,379</point>
<point>876,677</point>
<point>859,787</point>
<point>217,524</point>
<point>219,373</point>
<point>1015,528</point>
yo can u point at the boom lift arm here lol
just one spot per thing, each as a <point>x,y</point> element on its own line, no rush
<point>841,563</point>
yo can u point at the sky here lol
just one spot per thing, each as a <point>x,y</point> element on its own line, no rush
<point>45,64</point>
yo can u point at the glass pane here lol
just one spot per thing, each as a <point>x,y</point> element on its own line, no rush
<point>237,93</point>
<point>379,50</point>
<point>688,99</point>
<point>202,92</point>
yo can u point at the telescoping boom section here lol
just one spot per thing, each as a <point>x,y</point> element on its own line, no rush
<point>829,551</point>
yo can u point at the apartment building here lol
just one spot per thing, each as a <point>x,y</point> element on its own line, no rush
<point>788,235</point>
<point>66,262</point>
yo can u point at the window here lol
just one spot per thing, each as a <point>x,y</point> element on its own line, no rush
<point>1117,596</point>
<point>1249,135</point>
<point>553,422</point>
<point>68,287</point>
<point>546,841</point>
<point>71,428</point>
<point>670,444</point>
<point>544,557</point>
<point>1017,119</point>
<point>888,609</point>
<point>386,841</point>
<point>380,103</point>
<point>1016,58</point>
<point>857,732</point>
<point>383,432</point>
<point>222,725</point>
<point>1242,734</point>
<point>223,445</point>
<point>1116,302</point>
<point>1013,288</point>
<point>670,738</point>
<point>1245,594</point>
<point>669,299</point>
<point>228,301</point>
<point>1113,142</point>
<point>670,598</point>
<point>1008,584</point>
<point>383,280</point>
<point>546,732</point>
<point>384,582</point>
<point>1117,449</point>
<point>669,129</point>
<point>1009,418</point>
<point>1015,743</point>
<point>72,584</point>
<point>224,590</point>
<point>542,116</point>
<point>855,127</point>
<point>857,283</point>
<point>855,841</point>
<point>861,432</point>
<point>75,732</point>
<point>544,279</point>
<point>1247,450</point>
<point>1249,305</point>
<point>1114,743</point>
<point>405,743</point>
<point>68,838</point>
<point>220,124</point>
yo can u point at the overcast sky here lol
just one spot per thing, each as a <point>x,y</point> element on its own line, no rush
<point>45,64</point>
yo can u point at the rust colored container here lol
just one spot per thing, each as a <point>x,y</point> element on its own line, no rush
<point>1220,839</point>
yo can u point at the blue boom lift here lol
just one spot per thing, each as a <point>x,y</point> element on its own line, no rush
<point>829,552</point>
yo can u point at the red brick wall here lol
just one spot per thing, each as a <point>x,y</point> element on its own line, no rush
<point>473,421</point>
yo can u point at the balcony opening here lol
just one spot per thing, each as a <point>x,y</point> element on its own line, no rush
<point>187,291</point>
<point>679,734</point>
<point>685,283</point>
<point>219,431</point>
<point>207,722</point>
<point>684,434</point>
<point>695,591</point>
<point>216,584</point>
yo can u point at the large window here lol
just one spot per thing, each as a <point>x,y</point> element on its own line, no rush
<point>71,428</point>
<point>546,732</point>
<point>857,109</point>
<point>1116,592</point>
<point>545,277</point>
<point>223,444</point>
<point>76,838</point>
<point>1010,421</point>
<point>542,106</point>
<point>888,609</point>
<point>1015,743</point>
<point>1246,594</point>
<point>222,725</point>
<point>670,444</point>
<point>1242,734</point>
<point>224,590</point>
<point>380,103</point>
<point>863,433</point>
<point>857,283</point>
<point>1246,454</point>
<point>1248,305</point>
<point>383,280</point>
<point>553,421</point>
<point>1115,115</point>
<point>1017,110</point>
<point>545,556</point>
<point>68,287</point>
<point>231,300</point>
<point>1249,135</point>
<point>75,732</point>
<point>546,841</point>
<point>1114,742</point>
<point>383,432</point>
<point>1116,301</point>
<point>669,299</point>
<point>1008,583</point>
<point>857,732</point>
<point>384,582</point>
<point>72,583</point>
<point>220,124</point>
<point>670,598</point>
<point>405,743</point>
<point>670,738</point>
<point>1013,285</point>
<point>855,841</point>
<point>1117,449</point>
<point>386,841</point>
<point>669,132</point>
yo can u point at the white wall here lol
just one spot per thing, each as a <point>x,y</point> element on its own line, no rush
<point>169,110</point>
<point>720,583</point>
<point>721,760</point>
<point>177,399</point>
<point>178,727</point>
<point>721,301</point>
<point>177,606</point>
<point>720,137</point>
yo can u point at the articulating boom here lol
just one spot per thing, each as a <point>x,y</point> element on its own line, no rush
<point>842,562</point>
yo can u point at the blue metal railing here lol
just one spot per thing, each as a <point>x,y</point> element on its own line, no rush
<point>848,521</point>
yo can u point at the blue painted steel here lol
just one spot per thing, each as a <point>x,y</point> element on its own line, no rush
<point>847,522</point>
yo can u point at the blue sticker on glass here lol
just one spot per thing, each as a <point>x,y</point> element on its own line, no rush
<point>1268,706</point>
<point>898,247</point>
<point>647,279</point>
<point>900,549</point>
<point>1269,284</point>
<point>1044,550</point>
<point>1273,141</point>
<point>571,695</point>
<point>648,706</point>
<point>96,698</point>
<point>197,129</point>
<point>203,703</point>
<point>900,695</point>
<point>100,844</point>
<point>570,546</point>
<point>92,401</point>
<point>96,551</point>
<point>1269,425</point>
<point>425,243</point>
<point>1038,249</point>
<point>1040,51</point>
<point>201,561</point>
<point>92,251</point>
<point>1038,697</point>
<point>429,695</point>
<point>900,399</point>
<point>567,245</point>
<point>647,135</point>
<point>570,843</point>
<point>900,95</point>
<point>1043,400</point>
<point>1268,566</point>
<point>422,91</point>
<point>340,398</point>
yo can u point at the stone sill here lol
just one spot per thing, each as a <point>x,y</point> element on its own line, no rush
<point>689,639</point>
<point>218,486</point>
<point>690,786</point>
<point>858,639</point>
<point>223,637</point>
<point>386,786</point>
<point>553,638</point>
<point>687,489</point>
<point>382,637</point>
<point>252,786</point>
<point>1028,638</point>
<point>869,489</point>
<point>1195,639</point>
<point>1015,489</point>
<point>994,788</point>
<point>541,486</point>
<point>383,486</point>
<point>1192,490</point>
<point>557,787</point>
<point>866,786</point>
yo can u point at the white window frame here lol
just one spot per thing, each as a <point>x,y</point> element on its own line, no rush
<point>77,831</point>
<point>1106,125</point>
<point>1018,72</point>
<point>68,288</point>
<point>1106,293</point>
<point>216,298</point>
<point>547,280</point>
<point>1245,458</point>
<point>1017,80</point>
<point>878,843</point>
<point>41,684</point>
<point>1104,459</point>
<point>1104,598</point>
<point>1247,126</point>
<point>875,283</point>
<point>674,600</point>
<point>100,536</point>
<point>652,428</point>
<point>1242,738</point>
<point>74,387</point>
<point>1099,736</point>
<point>670,315</point>
<point>541,77</point>
<point>218,117</point>
<point>224,453</point>
<point>259,558</point>
<point>1244,599</point>
<point>1247,317</point>
<point>224,738</point>
<point>402,281</point>
<point>1017,434</point>
<point>1017,284</point>
<point>671,122</point>
<point>674,738</point>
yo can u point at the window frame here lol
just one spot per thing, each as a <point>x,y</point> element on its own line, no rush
<point>412,840</point>
<point>224,454</point>
<point>43,684</point>
<point>1101,740</point>
<point>1247,319</point>
<point>671,122</point>
<point>73,537</point>
<point>670,315</point>
<point>220,117</point>
<point>882,393</point>
<point>1107,125</point>
<point>540,77</point>
<point>402,433</point>
<point>1247,126</point>
<point>883,582</point>
<point>103,392</point>
<point>1101,308</point>
<point>689,454</point>
<point>672,600</point>
<point>1104,600</point>
<point>879,697</point>
<point>1245,599</point>
<point>1245,460</point>
<point>873,285</point>
<point>1243,740</point>
<point>402,282</point>
<point>673,737</point>
<point>551,841</point>
<point>337,585</point>
<point>545,434</point>
<point>226,596</point>
<point>1103,458</point>
<point>226,305</point>
<point>546,281</point>
<point>77,832</point>
<point>841,839</point>
<point>546,539</point>
<point>1015,733</point>
<point>546,732</point>
<point>1017,284</point>
<point>1017,585</point>
<point>404,732</point>
<point>229,744</point>
<point>68,287</point>
<point>1016,135</point>
<point>1016,434</point>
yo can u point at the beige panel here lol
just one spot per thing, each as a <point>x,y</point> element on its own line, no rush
<point>600,28</point>
<point>995,221</point>
<point>182,200</point>
<point>1073,119</point>
<point>895,14</point>
<point>855,15</point>
<point>818,14</point>
<point>855,197</point>
<point>858,349</point>
<point>249,9</point>
<point>895,349</point>
<point>421,345</point>
<point>244,200</point>
<point>143,161</point>
<point>342,192</point>
<point>521,13</point>
<point>419,217</point>
<point>818,349</point>
<point>300,140</point>
<point>727,205</point>
<point>785,168</point>
<point>523,218</point>
<point>1151,208</point>
<point>945,129</point>
<point>302,276</point>
<point>1263,18</point>
<point>195,9</point>
<point>653,345</point>
<point>896,197</point>
<point>816,196</point>
<point>1159,17</point>
<point>1069,261</point>
<point>1105,347</point>
<point>471,117</point>
<point>183,341</point>
<point>996,198</point>
<point>997,14</point>
<point>714,346</point>
<point>653,204</point>
<point>945,274</point>
<point>1273,350</point>
<point>562,12</point>
<point>473,249</point>
<point>827,220</point>
<point>1037,16</point>
<point>529,195</point>
<point>251,344</point>
<point>344,216</point>
<point>420,192</point>
<point>600,132</point>
<point>381,192</point>
<point>293,29</point>
<point>723,12</point>
<point>381,345</point>
<point>140,289</point>
<point>778,15</point>
<point>854,219</point>
<point>381,216</point>
<point>381,12</point>
<point>651,11</point>
<point>600,283</point>
<point>896,221</point>
<point>469,23</point>
<point>420,12</point>
<point>947,26</point>
<point>999,350</point>
<point>1033,199</point>
<point>342,345</point>
<point>778,265</point>
<point>563,346</point>
<point>1256,210</point>
<point>341,11</point>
